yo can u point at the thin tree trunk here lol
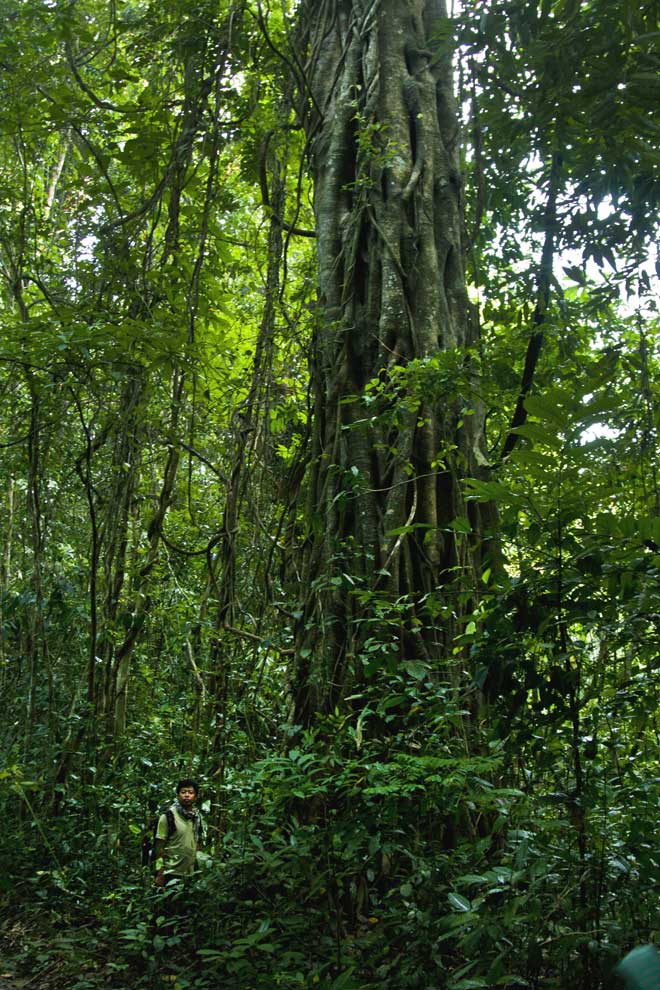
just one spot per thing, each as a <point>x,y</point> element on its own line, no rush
<point>113,536</point>
<point>5,568</point>
<point>37,646</point>
<point>141,598</point>
<point>255,411</point>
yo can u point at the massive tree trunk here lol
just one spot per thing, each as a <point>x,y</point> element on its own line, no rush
<point>397,420</point>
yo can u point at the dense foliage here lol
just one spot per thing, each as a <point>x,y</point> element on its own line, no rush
<point>426,726</point>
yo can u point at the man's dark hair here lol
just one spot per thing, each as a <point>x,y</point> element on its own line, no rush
<point>188,782</point>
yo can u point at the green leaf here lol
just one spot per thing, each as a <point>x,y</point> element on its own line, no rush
<point>461,524</point>
<point>485,491</point>
<point>576,274</point>
<point>544,408</point>
<point>539,434</point>
<point>459,903</point>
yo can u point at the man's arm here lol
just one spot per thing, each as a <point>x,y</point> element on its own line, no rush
<point>159,850</point>
<point>158,861</point>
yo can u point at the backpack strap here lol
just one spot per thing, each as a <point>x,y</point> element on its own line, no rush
<point>199,830</point>
<point>171,824</point>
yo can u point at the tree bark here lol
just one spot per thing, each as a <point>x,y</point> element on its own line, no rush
<point>397,420</point>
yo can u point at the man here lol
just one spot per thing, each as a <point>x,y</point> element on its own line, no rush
<point>178,836</point>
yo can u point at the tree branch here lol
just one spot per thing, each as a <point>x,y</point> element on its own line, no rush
<point>265,196</point>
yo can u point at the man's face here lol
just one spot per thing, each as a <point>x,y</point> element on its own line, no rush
<point>186,797</point>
